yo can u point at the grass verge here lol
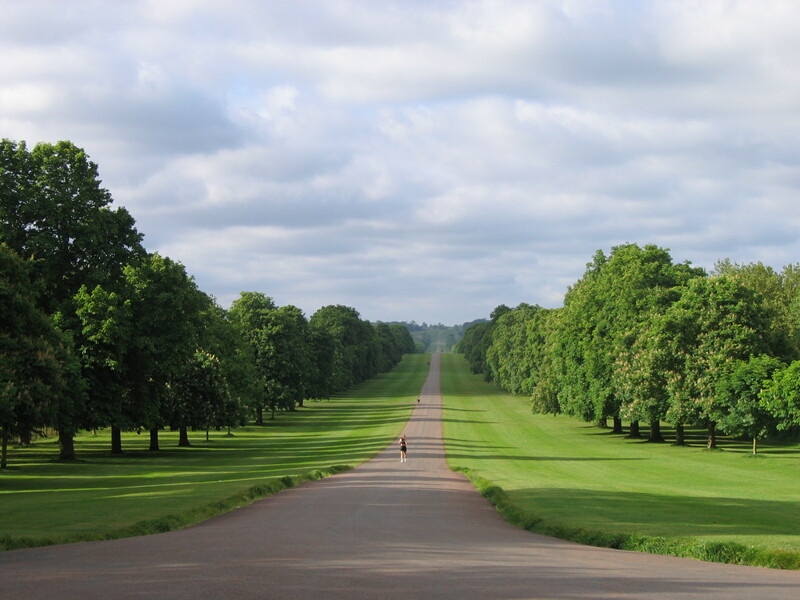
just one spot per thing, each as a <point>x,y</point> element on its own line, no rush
<point>102,496</point>
<point>560,477</point>
<point>172,522</point>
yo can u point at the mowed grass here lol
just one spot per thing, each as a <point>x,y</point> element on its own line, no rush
<point>110,496</point>
<point>561,475</point>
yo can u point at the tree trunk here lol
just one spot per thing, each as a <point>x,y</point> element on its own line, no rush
<point>4,450</point>
<point>755,446</point>
<point>183,437</point>
<point>116,440</point>
<point>25,438</point>
<point>712,435</point>
<point>260,415</point>
<point>680,435</point>
<point>300,403</point>
<point>154,439</point>
<point>655,432</point>
<point>603,423</point>
<point>617,425</point>
<point>66,445</point>
<point>633,430</point>
<point>207,435</point>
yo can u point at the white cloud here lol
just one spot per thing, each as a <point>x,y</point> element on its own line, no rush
<point>421,160</point>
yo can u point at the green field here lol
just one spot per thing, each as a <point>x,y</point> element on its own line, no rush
<point>561,475</point>
<point>103,496</point>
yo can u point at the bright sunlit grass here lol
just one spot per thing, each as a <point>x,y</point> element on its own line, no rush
<point>46,500</point>
<point>565,473</point>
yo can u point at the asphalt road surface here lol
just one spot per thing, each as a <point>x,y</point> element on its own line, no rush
<point>385,530</point>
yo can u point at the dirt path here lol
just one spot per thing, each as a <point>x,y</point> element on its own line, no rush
<point>386,530</point>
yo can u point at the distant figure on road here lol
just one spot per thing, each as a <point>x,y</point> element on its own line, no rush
<point>417,399</point>
<point>403,448</point>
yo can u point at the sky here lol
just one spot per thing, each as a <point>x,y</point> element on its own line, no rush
<point>421,160</point>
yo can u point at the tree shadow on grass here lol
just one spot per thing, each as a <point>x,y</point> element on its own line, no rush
<point>698,437</point>
<point>661,515</point>
<point>490,456</point>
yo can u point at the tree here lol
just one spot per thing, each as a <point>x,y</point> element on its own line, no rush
<point>781,396</point>
<point>286,357</point>
<point>354,354</point>
<point>166,308</point>
<point>740,409</point>
<point>716,322</point>
<point>543,381</point>
<point>107,329</point>
<point>604,318</point>
<point>508,356</point>
<point>778,293</point>
<point>223,340</point>
<point>31,356</point>
<point>321,347</point>
<point>250,314</point>
<point>477,340</point>
<point>54,211</point>
<point>198,396</point>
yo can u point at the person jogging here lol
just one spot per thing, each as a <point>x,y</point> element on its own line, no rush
<point>403,448</point>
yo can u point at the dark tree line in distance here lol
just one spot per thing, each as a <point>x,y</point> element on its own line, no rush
<point>96,332</point>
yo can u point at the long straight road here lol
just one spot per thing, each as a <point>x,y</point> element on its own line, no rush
<point>385,530</point>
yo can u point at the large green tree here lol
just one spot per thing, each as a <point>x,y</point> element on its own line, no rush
<point>166,310</point>
<point>509,356</point>
<point>285,358</point>
<point>716,322</point>
<point>251,315</point>
<point>604,316</point>
<point>740,410</point>
<point>32,356</point>
<point>353,342</point>
<point>54,211</point>
<point>107,329</point>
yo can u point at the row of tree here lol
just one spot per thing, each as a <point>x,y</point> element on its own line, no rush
<point>642,339</point>
<point>96,332</point>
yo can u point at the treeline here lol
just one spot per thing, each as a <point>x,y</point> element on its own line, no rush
<point>645,340</point>
<point>95,332</point>
<point>437,338</point>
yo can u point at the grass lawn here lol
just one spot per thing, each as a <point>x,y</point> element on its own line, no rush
<point>571,474</point>
<point>105,496</point>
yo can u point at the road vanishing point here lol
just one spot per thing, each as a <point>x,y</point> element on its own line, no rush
<point>385,530</point>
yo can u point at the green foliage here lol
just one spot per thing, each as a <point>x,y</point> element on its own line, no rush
<point>53,209</point>
<point>475,345</point>
<point>715,322</point>
<point>781,396</point>
<point>603,318</point>
<point>33,357</point>
<point>643,339</point>
<point>778,294</point>
<point>739,410</point>
<point>356,349</point>
<point>508,355</point>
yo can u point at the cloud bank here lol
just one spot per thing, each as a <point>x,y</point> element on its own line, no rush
<point>421,160</point>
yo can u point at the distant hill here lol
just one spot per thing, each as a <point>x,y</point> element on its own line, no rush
<point>436,338</point>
